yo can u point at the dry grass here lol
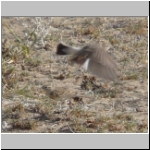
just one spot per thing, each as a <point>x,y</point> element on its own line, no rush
<point>88,104</point>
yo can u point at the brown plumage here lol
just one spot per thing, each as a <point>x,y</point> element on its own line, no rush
<point>93,58</point>
<point>53,93</point>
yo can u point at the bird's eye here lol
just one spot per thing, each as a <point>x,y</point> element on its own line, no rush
<point>45,87</point>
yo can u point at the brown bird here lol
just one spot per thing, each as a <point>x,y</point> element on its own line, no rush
<point>53,93</point>
<point>91,57</point>
<point>57,93</point>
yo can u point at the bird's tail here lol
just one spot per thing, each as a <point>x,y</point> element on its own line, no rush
<point>63,49</point>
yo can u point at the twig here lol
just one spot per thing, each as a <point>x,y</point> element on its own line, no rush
<point>12,32</point>
<point>70,128</point>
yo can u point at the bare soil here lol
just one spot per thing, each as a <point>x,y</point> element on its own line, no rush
<point>77,102</point>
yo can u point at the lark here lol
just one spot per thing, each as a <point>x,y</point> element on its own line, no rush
<point>92,57</point>
<point>53,93</point>
<point>58,93</point>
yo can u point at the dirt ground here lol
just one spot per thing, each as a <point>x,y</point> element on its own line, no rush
<point>76,101</point>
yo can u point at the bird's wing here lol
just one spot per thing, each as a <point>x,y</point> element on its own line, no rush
<point>100,55</point>
<point>101,64</point>
<point>101,70</point>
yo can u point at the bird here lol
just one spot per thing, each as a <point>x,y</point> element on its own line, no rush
<point>57,93</point>
<point>92,57</point>
<point>53,93</point>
